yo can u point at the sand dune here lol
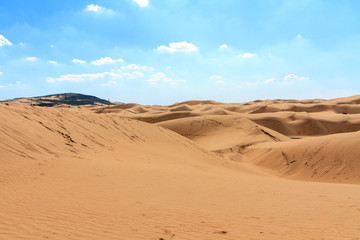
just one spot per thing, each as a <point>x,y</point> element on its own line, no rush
<point>218,133</point>
<point>308,124</point>
<point>230,128</point>
<point>191,170</point>
<point>333,158</point>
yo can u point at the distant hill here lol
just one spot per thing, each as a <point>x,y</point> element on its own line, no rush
<point>74,99</point>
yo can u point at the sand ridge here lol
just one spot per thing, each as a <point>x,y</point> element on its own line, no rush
<point>231,128</point>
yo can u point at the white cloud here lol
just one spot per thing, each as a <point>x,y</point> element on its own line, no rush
<point>219,79</point>
<point>161,77</point>
<point>251,84</point>
<point>78,61</point>
<point>292,78</point>
<point>93,8</point>
<point>106,60</point>
<point>216,77</point>
<point>84,77</point>
<point>138,74</point>
<point>4,41</point>
<point>147,68</point>
<point>223,46</point>
<point>299,36</point>
<point>97,9</point>
<point>1,73</point>
<point>288,79</point>
<point>177,47</point>
<point>31,58</point>
<point>133,75</point>
<point>142,3</point>
<point>16,84</point>
<point>53,62</point>
<point>131,66</point>
<point>135,66</point>
<point>109,83</point>
<point>249,55</point>
<point>270,81</point>
<point>13,84</point>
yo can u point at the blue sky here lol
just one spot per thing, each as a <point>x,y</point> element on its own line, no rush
<point>164,51</point>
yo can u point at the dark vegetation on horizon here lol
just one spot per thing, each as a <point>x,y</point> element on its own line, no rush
<point>74,99</point>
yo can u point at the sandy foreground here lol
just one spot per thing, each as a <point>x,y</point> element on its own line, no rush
<point>272,169</point>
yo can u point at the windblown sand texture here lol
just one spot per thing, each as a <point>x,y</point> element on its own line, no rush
<point>274,169</point>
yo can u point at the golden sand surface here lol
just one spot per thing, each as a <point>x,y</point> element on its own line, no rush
<point>272,169</point>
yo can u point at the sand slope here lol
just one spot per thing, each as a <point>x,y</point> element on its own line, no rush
<point>308,124</point>
<point>333,158</point>
<point>74,174</point>
<point>218,133</point>
<point>230,128</point>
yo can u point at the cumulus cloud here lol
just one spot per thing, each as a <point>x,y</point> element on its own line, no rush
<point>1,86</point>
<point>249,55</point>
<point>97,9</point>
<point>292,78</point>
<point>134,75</point>
<point>288,79</point>
<point>147,68</point>
<point>1,73</point>
<point>108,84</point>
<point>135,66</point>
<point>131,66</point>
<point>31,59</point>
<point>84,77</point>
<point>299,36</point>
<point>106,60</point>
<point>93,8</point>
<point>78,61</point>
<point>137,74</point>
<point>161,77</point>
<point>223,46</point>
<point>177,47</point>
<point>4,41</point>
<point>270,81</point>
<point>216,77</point>
<point>52,62</point>
<point>142,3</point>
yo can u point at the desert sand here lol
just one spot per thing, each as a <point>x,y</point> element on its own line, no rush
<point>272,169</point>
